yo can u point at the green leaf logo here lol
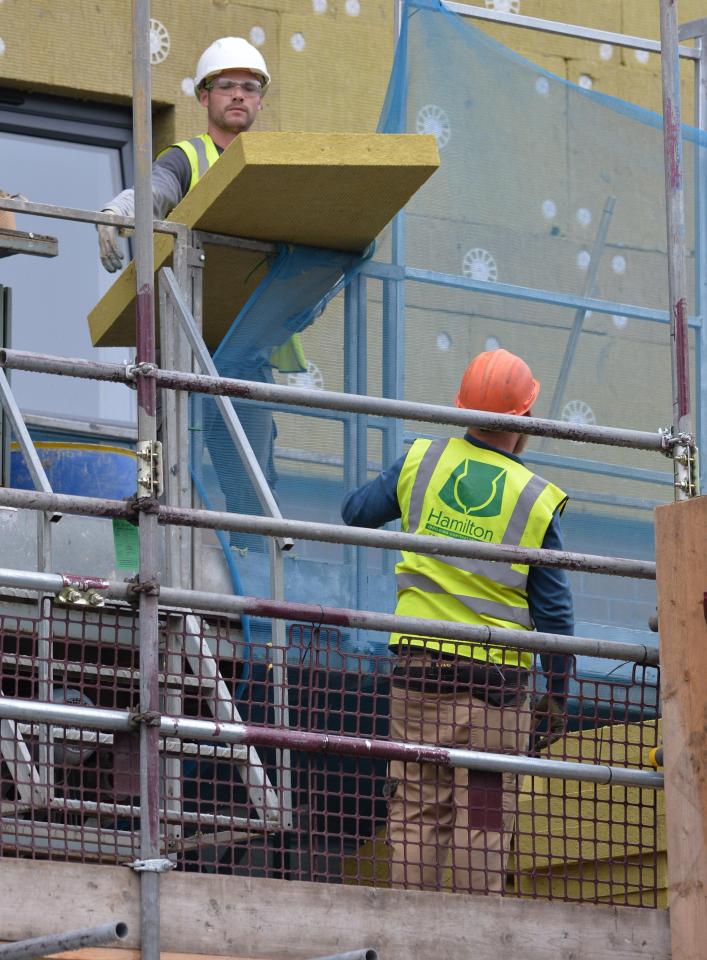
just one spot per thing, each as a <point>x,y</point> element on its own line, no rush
<point>474,489</point>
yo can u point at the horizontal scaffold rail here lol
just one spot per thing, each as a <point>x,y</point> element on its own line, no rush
<point>578,31</point>
<point>332,400</point>
<point>331,533</point>
<point>80,215</point>
<point>64,942</point>
<point>98,718</point>
<point>451,632</point>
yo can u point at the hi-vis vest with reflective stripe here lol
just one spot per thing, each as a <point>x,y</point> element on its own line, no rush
<point>201,153</point>
<point>452,488</point>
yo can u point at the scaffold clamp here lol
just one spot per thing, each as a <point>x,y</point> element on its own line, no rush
<point>135,370</point>
<point>82,591</point>
<point>682,450</point>
<point>196,257</point>
<point>149,587</point>
<point>151,718</point>
<point>670,440</point>
<point>158,865</point>
<point>149,468</point>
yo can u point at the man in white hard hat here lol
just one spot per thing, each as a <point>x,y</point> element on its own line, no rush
<point>231,80</point>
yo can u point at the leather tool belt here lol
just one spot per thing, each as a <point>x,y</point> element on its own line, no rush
<point>435,672</point>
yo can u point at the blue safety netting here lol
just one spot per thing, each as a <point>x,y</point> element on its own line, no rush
<point>299,284</point>
<point>555,189</point>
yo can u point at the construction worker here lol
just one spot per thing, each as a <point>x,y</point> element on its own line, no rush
<point>230,82</point>
<point>446,826</point>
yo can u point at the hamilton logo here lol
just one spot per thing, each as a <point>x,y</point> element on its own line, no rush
<point>475,489</point>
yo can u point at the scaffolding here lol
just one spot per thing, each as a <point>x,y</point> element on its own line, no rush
<point>169,618</point>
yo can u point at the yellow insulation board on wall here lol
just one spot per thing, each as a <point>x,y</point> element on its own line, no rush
<point>332,190</point>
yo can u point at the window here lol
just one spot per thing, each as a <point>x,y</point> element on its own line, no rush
<point>75,155</point>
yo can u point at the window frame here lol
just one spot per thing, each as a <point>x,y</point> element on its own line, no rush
<point>77,121</point>
<point>51,117</point>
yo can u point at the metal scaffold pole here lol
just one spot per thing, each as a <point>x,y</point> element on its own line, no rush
<point>147,489</point>
<point>683,440</point>
<point>310,741</point>
<point>333,400</point>
<point>62,942</point>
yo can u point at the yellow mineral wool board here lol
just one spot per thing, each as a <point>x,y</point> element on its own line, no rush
<point>634,82</point>
<point>336,191</point>
<point>640,18</point>
<point>600,14</point>
<point>560,823</point>
<point>332,190</point>
<point>229,281</point>
<point>334,64</point>
<point>556,65</point>
<point>602,823</point>
<point>636,882</point>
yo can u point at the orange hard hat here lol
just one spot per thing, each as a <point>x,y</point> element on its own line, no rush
<point>499,382</point>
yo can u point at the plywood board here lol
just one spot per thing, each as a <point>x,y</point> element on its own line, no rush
<point>118,953</point>
<point>681,558</point>
<point>234,916</point>
<point>336,191</point>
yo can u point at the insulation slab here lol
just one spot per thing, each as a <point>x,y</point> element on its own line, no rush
<point>332,190</point>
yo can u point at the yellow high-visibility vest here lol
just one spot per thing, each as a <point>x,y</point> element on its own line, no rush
<point>452,488</point>
<point>201,153</point>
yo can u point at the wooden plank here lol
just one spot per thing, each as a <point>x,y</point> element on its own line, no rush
<point>115,953</point>
<point>681,555</point>
<point>118,953</point>
<point>292,920</point>
<point>20,241</point>
<point>332,190</point>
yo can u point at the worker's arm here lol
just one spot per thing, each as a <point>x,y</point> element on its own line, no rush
<point>376,502</point>
<point>550,602</point>
<point>171,175</point>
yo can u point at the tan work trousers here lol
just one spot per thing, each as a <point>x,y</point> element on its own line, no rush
<point>449,827</point>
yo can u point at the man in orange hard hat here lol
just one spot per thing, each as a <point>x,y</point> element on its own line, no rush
<point>451,826</point>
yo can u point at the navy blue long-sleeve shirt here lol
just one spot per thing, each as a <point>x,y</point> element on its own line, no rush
<point>549,597</point>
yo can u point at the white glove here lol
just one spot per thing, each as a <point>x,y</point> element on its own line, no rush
<point>108,248</point>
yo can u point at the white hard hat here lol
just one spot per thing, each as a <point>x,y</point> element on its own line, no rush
<point>231,53</point>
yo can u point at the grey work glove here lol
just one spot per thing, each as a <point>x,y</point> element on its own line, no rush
<point>108,247</point>
<point>550,721</point>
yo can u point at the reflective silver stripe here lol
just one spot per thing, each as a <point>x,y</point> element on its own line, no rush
<point>498,571</point>
<point>200,148</point>
<point>477,605</point>
<point>521,512</point>
<point>501,573</point>
<point>426,468</point>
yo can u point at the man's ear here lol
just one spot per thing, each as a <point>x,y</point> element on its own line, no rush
<point>203,96</point>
